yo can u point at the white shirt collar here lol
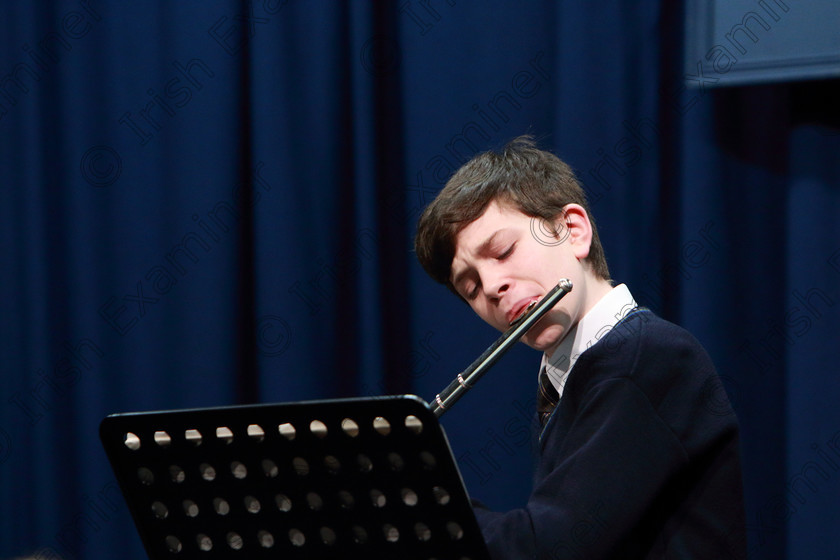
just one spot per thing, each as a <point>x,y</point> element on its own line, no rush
<point>603,316</point>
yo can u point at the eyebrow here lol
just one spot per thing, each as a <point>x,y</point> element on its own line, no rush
<point>482,248</point>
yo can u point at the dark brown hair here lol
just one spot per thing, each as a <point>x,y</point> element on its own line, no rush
<point>535,182</point>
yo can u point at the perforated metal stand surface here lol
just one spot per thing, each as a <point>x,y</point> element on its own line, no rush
<point>348,478</point>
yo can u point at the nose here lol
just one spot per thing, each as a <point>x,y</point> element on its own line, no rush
<point>496,283</point>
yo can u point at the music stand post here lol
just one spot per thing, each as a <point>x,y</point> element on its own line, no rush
<point>344,478</point>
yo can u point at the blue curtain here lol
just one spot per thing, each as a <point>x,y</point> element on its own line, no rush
<point>213,202</point>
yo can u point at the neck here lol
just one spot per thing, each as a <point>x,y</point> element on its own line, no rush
<point>594,291</point>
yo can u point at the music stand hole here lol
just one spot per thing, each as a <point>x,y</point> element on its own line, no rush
<point>283,502</point>
<point>359,535</point>
<point>455,531</point>
<point>287,431</point>
<point>270,468</point>
<point>409,496</point>
<point>173,544</point>
<point>377,498</point>
<point>391,533</point>
<point>160,510</point>
<point>238,470</point>
<point>252,505</point>
<point>146,476</point>
<point>225,434</point>
<point>441,495</point>
<point>163,439</point>
<point>364,462</point>
<point>265,539</point>
<point>314,501</point>
<point>234,541</point>
<point>396,462</point>
<point>350,427</point>
<point>428,460</point>
<point>177,474</point>
<point>413,424</point>
<point>332,464</point>
<point>204,542</point>
<point>296,537</point>
<point>422,531</point>
<point>327,536</point>
<point>208,473</point>
<point>190,508</point>
<point>194,437</point>
<point>318,428</point>
<point>301,466</point>
<point>221,506</point>
<point>132,441</point>
<point>381,425</point>
<point>255,432</point>
<point>345,499</point>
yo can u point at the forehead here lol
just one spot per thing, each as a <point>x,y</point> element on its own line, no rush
<point>497,219</point>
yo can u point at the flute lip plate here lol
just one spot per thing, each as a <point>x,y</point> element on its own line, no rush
<point>522,314</point>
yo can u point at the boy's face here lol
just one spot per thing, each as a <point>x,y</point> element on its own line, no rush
<point>505,260</point>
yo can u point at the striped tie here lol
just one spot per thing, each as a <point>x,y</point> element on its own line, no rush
<point>547,398</point>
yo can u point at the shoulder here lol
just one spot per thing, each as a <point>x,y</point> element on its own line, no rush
<point>639,342</point>
<point>650,330</point>
<point>663,361</point>
<point>660,358</point>
<point>641,336</point>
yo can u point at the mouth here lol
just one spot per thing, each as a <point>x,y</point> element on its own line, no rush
<point>526,307</point>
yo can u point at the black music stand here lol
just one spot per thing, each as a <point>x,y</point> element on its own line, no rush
<point>346,478</point>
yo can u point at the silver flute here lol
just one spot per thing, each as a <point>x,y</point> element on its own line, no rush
<point>467,378</point>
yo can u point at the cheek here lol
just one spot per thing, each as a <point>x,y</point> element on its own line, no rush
<point>555,265</point>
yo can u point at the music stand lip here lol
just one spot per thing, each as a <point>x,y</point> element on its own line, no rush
<point>257,406</point>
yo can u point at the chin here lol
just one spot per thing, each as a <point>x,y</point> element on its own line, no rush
<point>546,339</point>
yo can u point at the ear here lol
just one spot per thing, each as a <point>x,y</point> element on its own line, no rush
<point>574,224</point>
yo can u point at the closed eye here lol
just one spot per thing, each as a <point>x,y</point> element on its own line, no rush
<point>508,252</point>
<point>472,292</point>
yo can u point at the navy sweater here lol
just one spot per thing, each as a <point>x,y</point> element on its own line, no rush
<point>640,459</point>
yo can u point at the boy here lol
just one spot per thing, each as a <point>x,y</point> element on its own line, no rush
<point>634,462</point>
